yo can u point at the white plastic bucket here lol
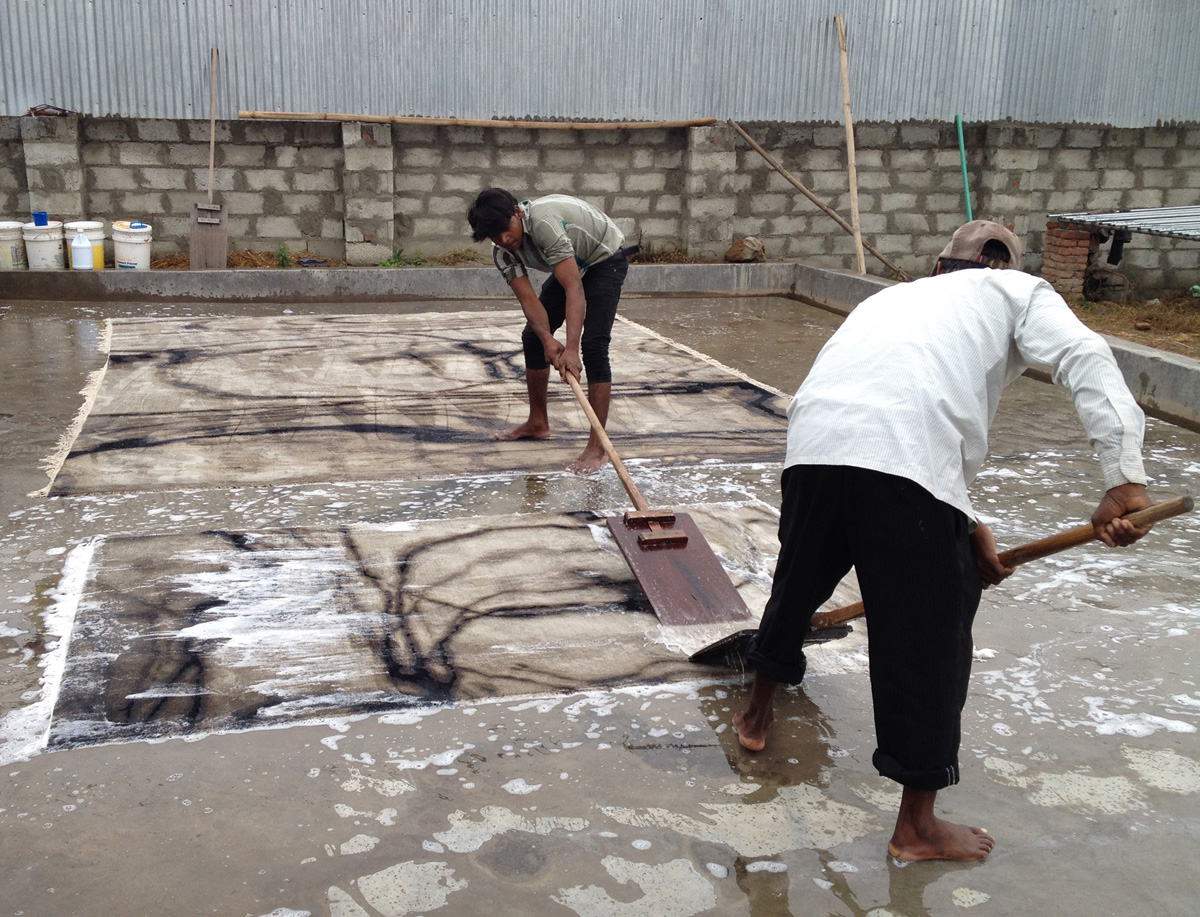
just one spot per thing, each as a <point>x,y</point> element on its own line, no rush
<point>44,246</point>
<point>131,245</point>
<point>12,247</point>
<point>93,230</point>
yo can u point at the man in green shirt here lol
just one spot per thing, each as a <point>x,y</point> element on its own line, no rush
<point>580,247</point>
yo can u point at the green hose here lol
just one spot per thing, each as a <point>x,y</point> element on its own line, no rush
<point>962,156</point>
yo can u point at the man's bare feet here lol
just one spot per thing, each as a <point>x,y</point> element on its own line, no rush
<point>527,430</point>
<point>588,462</point>
<point>921,835</point>
<point>752,730</point>
<point>753,723</point>
<point>947,841</point>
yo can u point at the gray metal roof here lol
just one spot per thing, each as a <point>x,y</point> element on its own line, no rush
<point>1175,222</point>
<point>1127,63</point>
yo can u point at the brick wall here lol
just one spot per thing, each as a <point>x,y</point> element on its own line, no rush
<point>362,191</point>
<point>633,175</point>
<point>14,196</point>
<point>280,182</point>
<point>1039,171</point>
<point>1067,252</point>
<point>910,189</point>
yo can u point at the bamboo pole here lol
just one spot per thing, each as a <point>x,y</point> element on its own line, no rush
<point>850,164</point>
<point>825,208</point>
<point>476,122</point>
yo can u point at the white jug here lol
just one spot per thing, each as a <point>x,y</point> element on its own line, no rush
<point>81,252</point>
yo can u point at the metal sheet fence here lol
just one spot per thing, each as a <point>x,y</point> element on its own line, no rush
<point>1128,63</point>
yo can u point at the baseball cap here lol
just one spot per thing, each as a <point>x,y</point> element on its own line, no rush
<point>968,240</point>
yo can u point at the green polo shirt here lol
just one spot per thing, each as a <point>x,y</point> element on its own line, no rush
<point>557,227</point>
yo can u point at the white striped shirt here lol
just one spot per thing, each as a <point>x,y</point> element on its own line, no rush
<point>909,384</point>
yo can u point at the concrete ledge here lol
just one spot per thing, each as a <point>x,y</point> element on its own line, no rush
<point>1165,384</point>
<point>836,291</point>
<point>245,286</point>
<point>364,284</point>
<point>690,279</point>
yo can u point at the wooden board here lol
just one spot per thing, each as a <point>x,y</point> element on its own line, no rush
<point>685,585</point>
<point>208,249</point>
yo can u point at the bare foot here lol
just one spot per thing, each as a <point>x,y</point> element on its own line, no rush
<point>752,730</point>
<point>527,430</point>
<point>588,463</point>
<point>940,840</point>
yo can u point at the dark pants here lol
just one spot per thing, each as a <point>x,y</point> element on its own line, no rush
<point>920,590</point>
<point>601,292</point>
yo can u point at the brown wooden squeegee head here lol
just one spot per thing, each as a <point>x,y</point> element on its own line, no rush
<point>674,565</point>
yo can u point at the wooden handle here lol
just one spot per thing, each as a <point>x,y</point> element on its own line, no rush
<point>598,428</point>
<point>1034,550</point>
<point>1085,533</point>
<point>851,167</point>
<point>479,122</point>
<point>212,124</point>
<point>825,208</point>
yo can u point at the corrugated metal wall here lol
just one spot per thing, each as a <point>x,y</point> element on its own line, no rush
<point>1129,63</point>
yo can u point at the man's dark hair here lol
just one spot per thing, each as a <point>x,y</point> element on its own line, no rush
<point>994,254</point>
<point>490,214</point>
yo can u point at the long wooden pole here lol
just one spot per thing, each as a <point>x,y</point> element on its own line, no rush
<point>212,123</point>
<point>476,122</point>
<point>851,167</point>
<point>825,208</point>
<point>658,536</point>
<point>1034,550</point>
<point>598,428</point>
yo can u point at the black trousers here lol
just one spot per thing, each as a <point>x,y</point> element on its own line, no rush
<point>601,292</point>
<point>920,589</point>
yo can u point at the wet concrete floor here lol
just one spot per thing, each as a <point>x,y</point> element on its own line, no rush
<point>1079,753</point>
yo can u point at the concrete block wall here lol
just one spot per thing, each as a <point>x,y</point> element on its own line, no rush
<point>713,188</point>
<point>910,189</point>
<point>367,183</point>
<point>53,170</point>
<point>1044,170</point>
<point>280,182</point>
<point>14,194</point>
<point>635,176</point>
<point>362,191</point>
<point>910,193</point>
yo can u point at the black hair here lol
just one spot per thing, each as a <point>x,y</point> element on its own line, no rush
<point>490,214</point>
<point>994,254</point>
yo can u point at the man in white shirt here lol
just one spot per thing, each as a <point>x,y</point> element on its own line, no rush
<point>884,436</point>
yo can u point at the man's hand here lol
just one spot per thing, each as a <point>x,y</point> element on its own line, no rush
<point>568,362</point>
<point>566,272</point>
<point>553,350</point>
<point>987,561</point>
<point>1110,528</point>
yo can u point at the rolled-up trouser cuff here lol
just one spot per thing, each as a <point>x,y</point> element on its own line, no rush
<point>787,673</point>
<point>937,779</point>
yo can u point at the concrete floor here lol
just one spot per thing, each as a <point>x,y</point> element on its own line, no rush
<point>1079,754</point>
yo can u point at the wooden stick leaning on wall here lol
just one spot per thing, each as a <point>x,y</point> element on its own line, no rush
<point>476,122</point>
<point>825,208</point>
<point>851,169</point>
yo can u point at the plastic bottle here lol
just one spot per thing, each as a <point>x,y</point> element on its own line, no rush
<point>81,252</point>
